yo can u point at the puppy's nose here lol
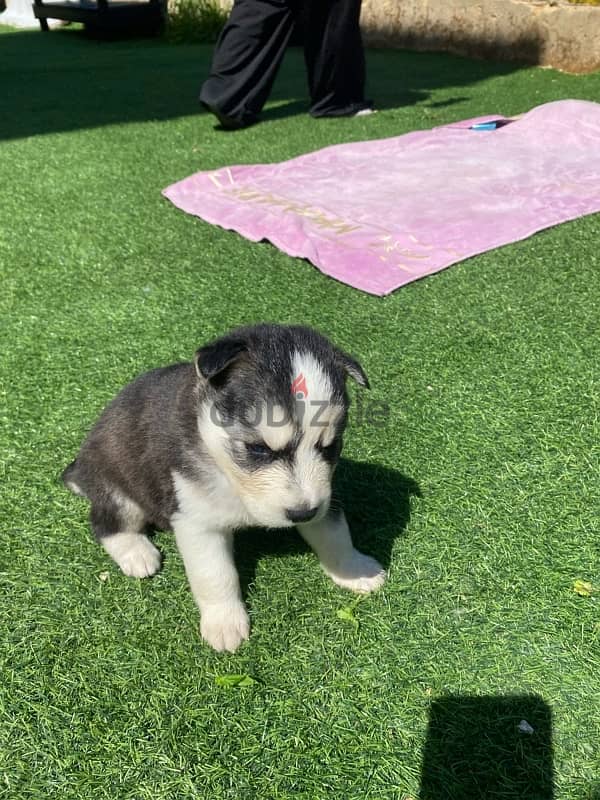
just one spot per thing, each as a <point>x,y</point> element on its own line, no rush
<point>301,514</point>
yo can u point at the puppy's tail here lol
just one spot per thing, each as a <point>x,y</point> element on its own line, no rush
<point>69,478</point>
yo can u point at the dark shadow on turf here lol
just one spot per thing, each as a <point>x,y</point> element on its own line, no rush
<point>65,81</point>
<point>376,500</point>
<point>475,750</point>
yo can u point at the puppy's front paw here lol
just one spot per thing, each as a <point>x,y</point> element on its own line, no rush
<point>225,627</point>
<point>360,573</point>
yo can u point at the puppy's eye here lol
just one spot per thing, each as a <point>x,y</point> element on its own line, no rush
<point>260,451</point>
<point>331,451</point>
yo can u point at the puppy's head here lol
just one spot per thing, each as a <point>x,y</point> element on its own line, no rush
<point>272,416</point>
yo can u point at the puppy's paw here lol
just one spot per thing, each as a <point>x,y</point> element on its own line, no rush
<point>134,553</point>
<point>360,573</point>
<point>143,562</point>
<point>225,627</point>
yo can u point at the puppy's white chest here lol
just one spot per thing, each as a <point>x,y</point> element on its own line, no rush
<point>215,505</point>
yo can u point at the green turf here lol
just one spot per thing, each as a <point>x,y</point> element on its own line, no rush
<point>481,493</point>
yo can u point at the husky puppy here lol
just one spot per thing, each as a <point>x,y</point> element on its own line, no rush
<point>248,434</point>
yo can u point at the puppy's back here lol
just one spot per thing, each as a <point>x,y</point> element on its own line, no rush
<point>139,438</point>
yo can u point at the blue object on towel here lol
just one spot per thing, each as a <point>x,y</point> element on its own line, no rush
<point>489,126</point>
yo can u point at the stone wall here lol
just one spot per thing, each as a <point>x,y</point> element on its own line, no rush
<point>548,32</point>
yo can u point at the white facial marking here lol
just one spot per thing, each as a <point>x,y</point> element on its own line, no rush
<point>317,382</point>
<point>211,431</point>
<point>320,412</point>
<point>274,427</point>
<point>318,423</point>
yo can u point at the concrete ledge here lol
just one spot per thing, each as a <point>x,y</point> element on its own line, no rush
<point>547,32</point>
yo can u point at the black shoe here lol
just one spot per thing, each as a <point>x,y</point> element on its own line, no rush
<point>229,123</point>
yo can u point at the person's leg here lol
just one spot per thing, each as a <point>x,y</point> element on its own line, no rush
<point>335,58</point>
<point>246,59</point>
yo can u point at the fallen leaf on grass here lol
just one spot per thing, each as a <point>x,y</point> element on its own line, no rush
<point>103,577</point>
<point>584,588</point>
<point>347,612</point>
<point>235,680</point>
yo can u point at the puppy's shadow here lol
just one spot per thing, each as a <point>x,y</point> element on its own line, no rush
<point>376,501</point>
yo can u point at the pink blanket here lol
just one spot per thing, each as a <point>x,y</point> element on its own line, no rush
<point>379,214</point>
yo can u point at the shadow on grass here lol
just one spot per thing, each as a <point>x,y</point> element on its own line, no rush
<point>476,750</point>
<point>376,501</point>
<point>65,81</point>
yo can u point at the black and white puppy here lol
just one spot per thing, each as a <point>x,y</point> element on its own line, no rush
<point>248,434</point>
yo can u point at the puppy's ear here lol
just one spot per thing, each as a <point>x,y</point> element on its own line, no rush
<point>352,368</point>
<point>213,358</point>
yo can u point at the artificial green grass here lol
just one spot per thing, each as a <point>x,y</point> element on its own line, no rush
<point>480,494</point>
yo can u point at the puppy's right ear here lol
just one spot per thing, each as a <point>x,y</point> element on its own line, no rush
<point>352,368</point>
<point>213,358</point>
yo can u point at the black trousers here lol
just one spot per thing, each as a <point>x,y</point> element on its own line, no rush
<point>252,45</point>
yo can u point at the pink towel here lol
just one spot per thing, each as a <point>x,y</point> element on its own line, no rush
<point>379,214</point>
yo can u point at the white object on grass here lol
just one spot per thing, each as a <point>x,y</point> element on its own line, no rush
<point>525,727</point>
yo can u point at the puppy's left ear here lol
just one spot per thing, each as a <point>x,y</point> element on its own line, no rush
<point>214,358</point>
<point>352,368</point>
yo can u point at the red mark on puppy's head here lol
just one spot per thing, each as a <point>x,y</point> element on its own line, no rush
<point>299,387</point>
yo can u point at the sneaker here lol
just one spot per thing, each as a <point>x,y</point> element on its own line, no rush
<point>359,109</point>
<point>364,112</point>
